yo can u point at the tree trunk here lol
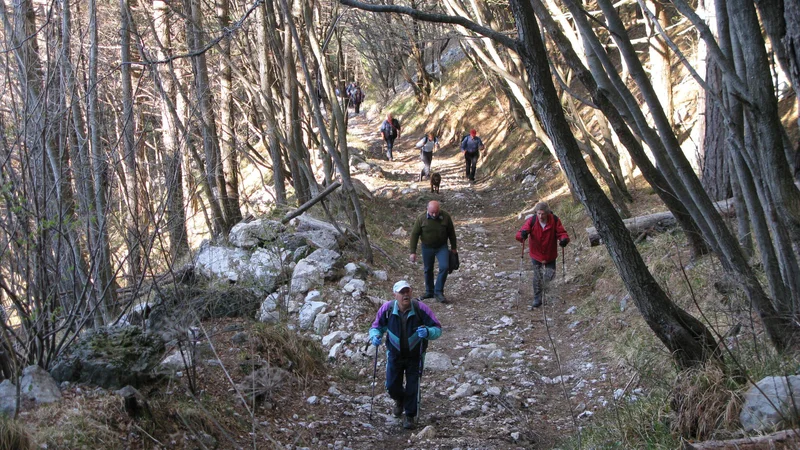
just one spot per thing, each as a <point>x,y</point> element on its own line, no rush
<point>173,159</point>
<point>229,154</point>
<point>213,164</point>
<point>133,237</point>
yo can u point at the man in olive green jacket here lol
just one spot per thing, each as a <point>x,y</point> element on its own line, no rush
<point>434,229</point>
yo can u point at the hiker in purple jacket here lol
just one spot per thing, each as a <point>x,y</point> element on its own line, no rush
<point>409,325</point>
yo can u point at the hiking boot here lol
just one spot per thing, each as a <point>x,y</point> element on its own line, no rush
<point>427,296</point>
<point>441,298</point>
<point>537,302</point>
<point>409,422</point>
<point>397,411</point>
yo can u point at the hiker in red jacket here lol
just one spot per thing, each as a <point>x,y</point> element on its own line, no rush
<point>544,230</point>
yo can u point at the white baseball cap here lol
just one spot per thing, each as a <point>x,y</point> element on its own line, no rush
<point>400,285</point>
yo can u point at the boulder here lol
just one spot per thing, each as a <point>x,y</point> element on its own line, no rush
<point>322,234</point>
<point>251,234</point>
<point>308,313</point>
<point>38,385</point>
<point>771,404</point>
<point>438,362</point>
<point>306,276</point>
<point>8,397</point>
<point>327,260</point>
<point>381,275</point>
<point>220,262</point>
<point>265,266</point>
<point>111,358</point>
<point>292,241</point>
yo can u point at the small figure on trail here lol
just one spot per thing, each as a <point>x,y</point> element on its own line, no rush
<point>471,146</point>
<point>426,145</point>
<point>390,129</point>
<point>544,230</point>
<point>356,97</point>
<point>410,325</point>
<point>434,228</point>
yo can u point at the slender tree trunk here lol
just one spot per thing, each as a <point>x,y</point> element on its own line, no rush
<point>266,34</point>
<point>133,235</point>
<point>230,157</point>
<point>213,164</point>
<point>170,137</point>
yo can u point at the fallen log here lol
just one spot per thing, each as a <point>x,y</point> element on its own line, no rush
<point>787,439</point>
<point>656,223</point>
<point>311,202</point>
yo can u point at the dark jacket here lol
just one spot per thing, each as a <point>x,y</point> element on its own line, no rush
<point>543,241</point>
<point>388,320</point>
<point>390,130</point>
<point>433,232</point>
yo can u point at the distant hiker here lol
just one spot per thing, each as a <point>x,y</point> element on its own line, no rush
<point>434,228</point>
<point>471,146</point>
<point>390,129</point>
<point>426,145</point>
<point>410,325</point>
<point>356,97</point>
<point>544,230</point>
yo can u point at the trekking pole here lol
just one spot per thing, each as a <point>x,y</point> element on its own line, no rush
<point>521,268</point>
<point>374,382</point>
<point>563,265</point>
<point>419,380</point>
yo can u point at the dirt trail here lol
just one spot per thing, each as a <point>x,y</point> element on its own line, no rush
<point>505,389</point>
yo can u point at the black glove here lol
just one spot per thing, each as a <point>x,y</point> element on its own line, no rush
<point>563,242</point>
<point>524,234</point>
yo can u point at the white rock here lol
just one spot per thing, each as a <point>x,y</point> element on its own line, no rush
<point>38,385</point>
<point>760,402</point>
<point>381,275</point>
<point>308,313</point>
<point>494,390</point>
<point>8,397</point>
<point>355,285</point>
<point>400,232</point>
<point>220,262</point>
<point>306,276</point>
<point>438,362</point>
<point>250,234</point>
<point>312,400</point>
<point>427,433</point>
<point>332,338</point>
<point>321,324</point>
<point>334,351</point>
<point>571,310</point>
<point>313,296</point>
<point>268,312</point>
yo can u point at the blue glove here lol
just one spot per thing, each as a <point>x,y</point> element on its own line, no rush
<point>376,341</point>
<point>422,332</point>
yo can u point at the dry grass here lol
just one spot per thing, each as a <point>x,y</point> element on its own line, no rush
<point>704,401</point>
<point>13,435</point>
<point>283,348</point>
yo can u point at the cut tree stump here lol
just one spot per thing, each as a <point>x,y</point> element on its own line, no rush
<point>788,439</point>
<point>656,223</point>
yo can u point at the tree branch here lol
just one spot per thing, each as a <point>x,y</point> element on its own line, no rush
<point>501,38</point>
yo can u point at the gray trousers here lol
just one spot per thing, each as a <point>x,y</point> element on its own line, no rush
<point>543,274</point>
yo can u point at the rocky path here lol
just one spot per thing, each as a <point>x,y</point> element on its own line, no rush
<point>501,374</point>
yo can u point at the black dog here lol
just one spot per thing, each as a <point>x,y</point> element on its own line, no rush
<point>436,180</point>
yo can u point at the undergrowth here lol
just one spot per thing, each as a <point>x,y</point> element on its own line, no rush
<point>284,348</point>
